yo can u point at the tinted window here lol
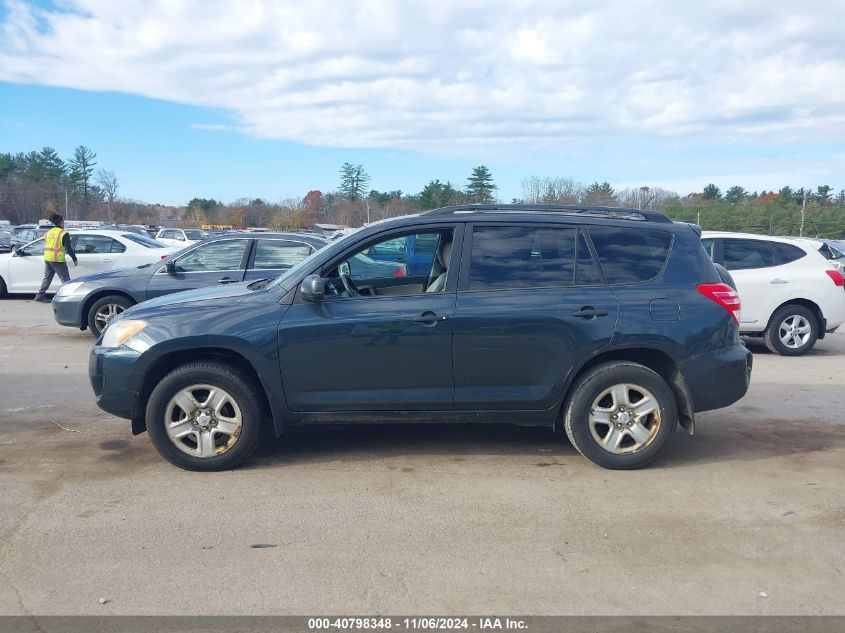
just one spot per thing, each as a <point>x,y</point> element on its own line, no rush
<point>143,240</point>
<point>521,257</point>
<point>279,253</point>
<point>707,243</point>
<point>389,247</point>
<point>745,254</point>
<point>587,272</point>
<point>222,255</point>
<point>96,244</point>
<point>630,255</point>
<point>194,234</point>
<point>788,252</point>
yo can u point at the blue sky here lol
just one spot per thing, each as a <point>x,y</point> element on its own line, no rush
<point>237,99</point>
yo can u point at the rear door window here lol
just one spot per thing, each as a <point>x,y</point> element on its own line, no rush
<point>743,254</point>
<point>630,255</point>
<point>270,254</point>
<point>95,244</point>
<point>788,253</point>
<point>522,257</point>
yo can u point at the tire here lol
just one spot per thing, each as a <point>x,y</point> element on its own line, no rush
<point>242,412</point>
<point>113,303</point>
<point>603,390</point>
<point>2,287</point>
<point>799,341</point>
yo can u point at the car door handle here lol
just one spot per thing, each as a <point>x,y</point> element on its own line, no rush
<point>779,280</point>
<point>226,280</point>
<point>429,318</point>
<point>107,259</point>
<point>589,312</point>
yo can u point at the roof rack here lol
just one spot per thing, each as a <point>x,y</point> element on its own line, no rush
<point>618,212</point>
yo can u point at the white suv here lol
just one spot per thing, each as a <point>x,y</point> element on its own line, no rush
<point>791,295</point>
<point>181,237</point>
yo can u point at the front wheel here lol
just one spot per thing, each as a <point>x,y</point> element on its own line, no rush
<point>620,415</point>
<point>104,310</point>
<point>792,331</point>
<point>205,416</point>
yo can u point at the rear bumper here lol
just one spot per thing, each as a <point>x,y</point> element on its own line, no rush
<point>717,379</point>
<point>68,311</point>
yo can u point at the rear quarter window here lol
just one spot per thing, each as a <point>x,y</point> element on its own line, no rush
<point>788,253</point>
<point>630,255</point>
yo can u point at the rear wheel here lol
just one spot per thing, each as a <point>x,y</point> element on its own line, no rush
<point>2,288</point>
<point>792,331</point>
<point>104,310</point>
<point>205,416</point>
<point>620,415</point>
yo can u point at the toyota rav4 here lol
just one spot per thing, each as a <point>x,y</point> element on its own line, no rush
<point>612,325</point>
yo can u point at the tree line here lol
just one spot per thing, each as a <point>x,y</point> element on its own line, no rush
<point>35,184</point>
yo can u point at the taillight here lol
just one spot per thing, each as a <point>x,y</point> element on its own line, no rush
<point>399,272</point>
<point>165,256</point>
<point>724,295</point>
<point>836,276</point>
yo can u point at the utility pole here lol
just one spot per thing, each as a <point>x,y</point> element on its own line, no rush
<point>66,215</point>
<point>368,211</point>
<point>803,208</point>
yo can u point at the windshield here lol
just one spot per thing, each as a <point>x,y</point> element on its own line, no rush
<point>143,240</point>
<point>195,234</point>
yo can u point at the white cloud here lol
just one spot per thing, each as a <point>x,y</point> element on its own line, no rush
<point>439,75</point>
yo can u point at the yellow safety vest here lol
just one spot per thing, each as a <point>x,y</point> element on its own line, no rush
<point>53,249</point>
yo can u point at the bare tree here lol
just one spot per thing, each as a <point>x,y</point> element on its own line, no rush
<point>537,190</point>
<point>108,183</point>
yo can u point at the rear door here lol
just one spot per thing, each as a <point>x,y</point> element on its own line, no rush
<point>271,257</point>
<point>209,264</point>
<point>531,305</point>
<point>762,281</point>
<point>95,253</point>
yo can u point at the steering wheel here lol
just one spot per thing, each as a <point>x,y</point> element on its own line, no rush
<point>349,285</point>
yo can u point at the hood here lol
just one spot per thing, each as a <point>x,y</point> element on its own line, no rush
<point>228,292</point>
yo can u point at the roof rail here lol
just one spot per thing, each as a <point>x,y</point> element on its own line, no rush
<point>620,212</point>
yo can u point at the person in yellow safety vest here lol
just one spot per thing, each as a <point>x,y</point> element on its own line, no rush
<point>56,246</point>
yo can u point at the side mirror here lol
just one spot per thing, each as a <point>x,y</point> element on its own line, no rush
<point>313,288</point>
<point>19,252</point>
<point>170,267</point>
<point>344,269</point>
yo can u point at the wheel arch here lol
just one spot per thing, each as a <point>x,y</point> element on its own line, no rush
<point>95,296</point>
<point>659,362</point>
<point>812,306</point>
<point>173,359</point>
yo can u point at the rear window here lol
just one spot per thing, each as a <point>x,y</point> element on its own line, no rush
<point>270,254</point>
<point>742,254</point>
<point>630,255</point>
<point>143,240</point>
<point>788,253</point>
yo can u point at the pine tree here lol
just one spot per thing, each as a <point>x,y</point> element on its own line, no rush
<point>81,170</point>
<point>480,185</point>
<point>711,192</point>
<point>353,181</point>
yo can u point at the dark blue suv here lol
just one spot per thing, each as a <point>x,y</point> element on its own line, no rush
<point>610,324</point>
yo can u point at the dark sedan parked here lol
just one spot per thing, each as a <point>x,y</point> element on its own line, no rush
<point>91,301</point>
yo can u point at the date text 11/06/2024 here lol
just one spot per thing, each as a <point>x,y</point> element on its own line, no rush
<point>417,624</point>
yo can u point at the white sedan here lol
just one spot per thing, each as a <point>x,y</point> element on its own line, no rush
<point>96,251</point>
<point>181,237</point>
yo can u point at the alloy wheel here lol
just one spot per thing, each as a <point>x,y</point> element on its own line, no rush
<point>624,418</point>
<point>794,331</point>
<point>203,420</point>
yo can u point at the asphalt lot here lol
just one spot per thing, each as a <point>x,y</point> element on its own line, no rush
<point>746,517</point>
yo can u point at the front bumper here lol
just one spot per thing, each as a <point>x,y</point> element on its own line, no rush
<point>718,379</point>
<point>68,311</point>
<point>115,379</point>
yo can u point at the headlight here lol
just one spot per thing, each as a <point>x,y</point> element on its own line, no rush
<point>119,332</point>
<point>65,290</point>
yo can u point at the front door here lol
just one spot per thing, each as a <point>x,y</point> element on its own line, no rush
<point>209,264</point>
<point>530,307</point>
<point>378,340</point>
<point>26,269</point>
